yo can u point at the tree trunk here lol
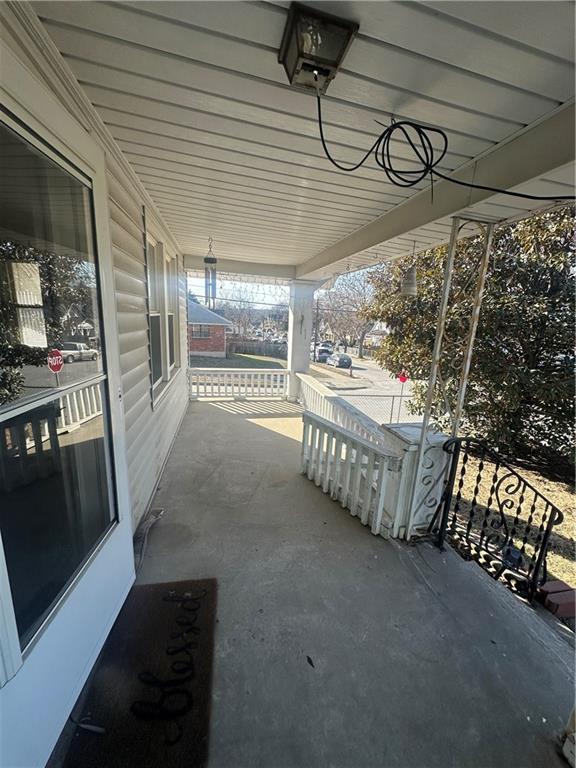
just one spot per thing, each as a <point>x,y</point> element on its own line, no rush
<point>361,344</point>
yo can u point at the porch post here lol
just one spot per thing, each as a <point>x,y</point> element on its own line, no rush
<point>435,373</point>
<point>299,331</point>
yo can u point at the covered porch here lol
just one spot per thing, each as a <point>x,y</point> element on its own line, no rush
<point>175,125</point>
<point>333,646</point>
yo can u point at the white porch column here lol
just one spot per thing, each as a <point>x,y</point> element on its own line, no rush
<point>299,331</point>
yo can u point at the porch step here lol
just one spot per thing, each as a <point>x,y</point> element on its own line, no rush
<point>559,598</point>
<point>562,604</point>
<point>551,587</point>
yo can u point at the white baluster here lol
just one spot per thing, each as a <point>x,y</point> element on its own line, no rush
<point>320,456</point>
<point>347,474</point>
<point>61,422</point>
<point>337,466</point>
<point>357,476</point>
<point>367,494</point>
<point>90,400</point>
<point>329,462</point>
<point>98,397</point>
<point>75,409</point>
<point>312,454</point>
<point>305,445</point>
<point>81,403</point>
<point>380,495</point>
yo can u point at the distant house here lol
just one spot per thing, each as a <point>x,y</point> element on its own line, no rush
<point>376,334</point>
<point>206,332</point>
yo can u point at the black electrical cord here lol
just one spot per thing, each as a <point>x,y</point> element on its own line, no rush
<point>419,139</point>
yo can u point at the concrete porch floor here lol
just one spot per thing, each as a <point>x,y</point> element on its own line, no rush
<point>419,659</point>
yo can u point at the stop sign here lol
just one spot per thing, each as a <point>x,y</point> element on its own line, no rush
<point>55,361</point>
<point>402,377</point>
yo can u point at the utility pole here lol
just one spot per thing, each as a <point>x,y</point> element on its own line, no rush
<point>316,325</point>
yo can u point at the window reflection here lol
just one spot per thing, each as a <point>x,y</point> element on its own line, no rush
<point>48,285</point>
<point>55,473</point>
<point>54,499</point>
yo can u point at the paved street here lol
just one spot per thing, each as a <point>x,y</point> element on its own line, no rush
<point>370,389</point>
<point>367,376</point>
<point>39,378</point>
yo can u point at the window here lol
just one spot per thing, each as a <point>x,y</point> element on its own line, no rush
<point>56,493</point>
<point>200,331</point>
<point>172,289</point>
<point>48,285</point>
<point>156,349</point>
<point>155,285</point>
<point>171,350</point>
<point>163,316</point>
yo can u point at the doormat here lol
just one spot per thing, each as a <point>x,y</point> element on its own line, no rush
<point>147,702</point>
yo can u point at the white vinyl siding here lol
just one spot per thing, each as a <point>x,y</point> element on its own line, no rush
<point>149,431</point>
<point>62,657</point>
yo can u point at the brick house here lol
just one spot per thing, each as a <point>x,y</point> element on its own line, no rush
<point>206,332</point>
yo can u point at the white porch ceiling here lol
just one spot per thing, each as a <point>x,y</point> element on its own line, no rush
<point>193,94</point>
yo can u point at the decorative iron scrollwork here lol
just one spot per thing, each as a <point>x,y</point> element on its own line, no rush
<point>502,522</point>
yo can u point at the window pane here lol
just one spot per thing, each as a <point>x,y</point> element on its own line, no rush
<point>54,498</point>
<point>200,331</point>
<point>48,278</point>
<point>155,348</point>
<point>174,309</point>
<point>154,285</point>
<point>171,339</point>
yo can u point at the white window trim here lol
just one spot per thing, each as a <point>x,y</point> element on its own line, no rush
<point>10,652</point>
<point>158,382</point>
<point>163,300</point>
<point>172,365</point>
<point>174,307</point>
<point>42,122</point>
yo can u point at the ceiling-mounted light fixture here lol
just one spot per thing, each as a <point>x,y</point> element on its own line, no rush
<point>314,42</point>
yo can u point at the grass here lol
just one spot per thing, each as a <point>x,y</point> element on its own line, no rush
<point>237,361</point>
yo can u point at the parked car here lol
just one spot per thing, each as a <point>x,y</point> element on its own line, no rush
<point>339,361</point>
<point>321,354</point>
<point>73,351</point>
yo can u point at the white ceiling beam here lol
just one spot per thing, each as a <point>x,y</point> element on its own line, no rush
<point>535,152</point>
<point>232,266</point>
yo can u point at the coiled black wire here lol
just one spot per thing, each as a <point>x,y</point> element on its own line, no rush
<point>419,139</point>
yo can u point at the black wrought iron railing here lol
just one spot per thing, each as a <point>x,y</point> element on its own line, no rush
<point>491,514</point>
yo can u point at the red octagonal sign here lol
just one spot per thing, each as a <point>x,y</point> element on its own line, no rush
<point>55,361</point>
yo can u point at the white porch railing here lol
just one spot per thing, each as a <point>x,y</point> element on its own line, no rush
<point>237,382</point>
<point>79,406</point>
<point>321,401</point>
<point>23,456</point>
<point>353,471</point>
<point>394,440</point>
